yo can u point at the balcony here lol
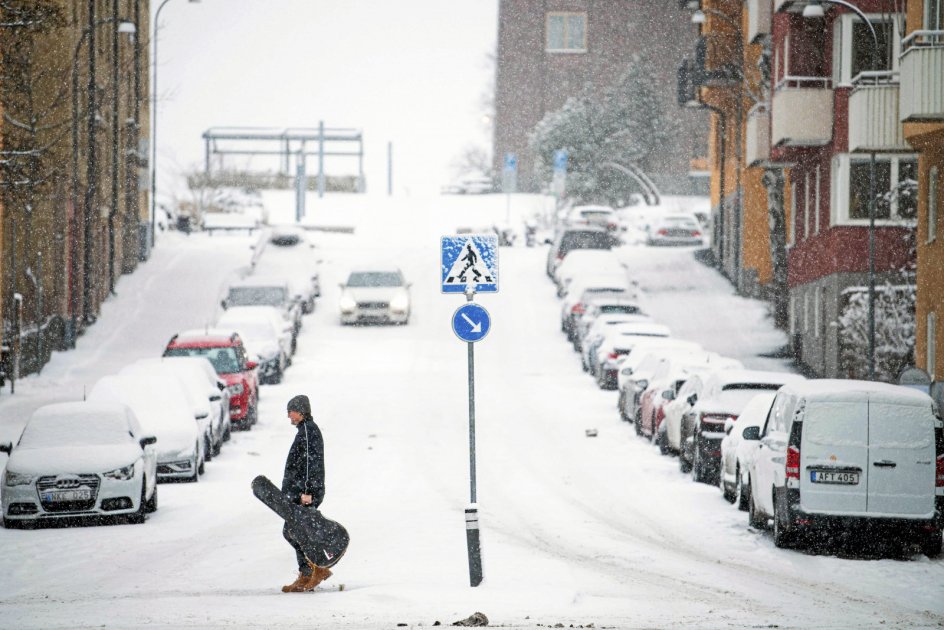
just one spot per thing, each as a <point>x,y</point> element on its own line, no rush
<point>802,112</point>
<point>759,19</point>
<point>922,76</point>
<point>791,6</point>
<point>874,124</point>
<point>757,139</point>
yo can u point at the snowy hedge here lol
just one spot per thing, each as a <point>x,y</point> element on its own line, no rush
<point>894,331</point>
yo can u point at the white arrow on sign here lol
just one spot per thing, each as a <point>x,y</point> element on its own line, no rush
<point>476,328</point>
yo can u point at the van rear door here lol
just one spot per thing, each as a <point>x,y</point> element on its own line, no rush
<point>901,460</point>
<point>834,457</point>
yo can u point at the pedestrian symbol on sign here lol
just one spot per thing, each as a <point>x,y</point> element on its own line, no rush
<point>469,261</point>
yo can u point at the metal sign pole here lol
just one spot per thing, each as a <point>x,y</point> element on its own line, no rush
<point>473,543</point>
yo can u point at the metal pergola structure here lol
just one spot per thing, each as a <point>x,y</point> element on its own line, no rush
<point>287,143</point>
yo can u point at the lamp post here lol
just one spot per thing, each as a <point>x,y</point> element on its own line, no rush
<point>153,164</point>
<point>815,10</point>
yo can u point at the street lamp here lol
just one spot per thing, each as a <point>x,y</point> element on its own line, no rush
<point>815,10</point>
<point>153,165</point>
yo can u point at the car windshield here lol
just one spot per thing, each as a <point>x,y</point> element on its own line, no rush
<point>374,279</point>
<point>595,215</point>
<point>224,360</point>
<point>585,240</point>
<point>75,429</point>
<point>255,296</point>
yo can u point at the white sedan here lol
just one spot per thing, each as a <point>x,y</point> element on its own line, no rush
<point>738,447</point>
<point>80,459</point>
<point>375,295</point>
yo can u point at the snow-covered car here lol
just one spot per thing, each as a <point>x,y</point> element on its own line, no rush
<point>286,251</point>
<point>569,239</point>
<point>476,185</point>
<point>265,336</point>
<point>600,216</point>
<point>675,229</point>
<point>620,341</point>
<point>582,291</point>
<point>741,440</point>
<point>80,459</point>
<point>850,455</point>
<point>261,290</point>
<point>197,375</point>
<point>645,365</point>
<point>162,408</point>
<point>375,295</point>
<point>586,262</point>
<point>612,310</point>
<point>723,397</point>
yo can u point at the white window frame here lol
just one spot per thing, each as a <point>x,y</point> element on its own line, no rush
<point>817,305</point>
<point>839,210</point>
<point>844,22</point>
<point>817,201</point>
<point>931,352</point>
<point>793,315</point>
<point>806,312</point>
<point>806,205</point>
<point>932,203</point>
<point>565,15</point>
<point>791,224</point>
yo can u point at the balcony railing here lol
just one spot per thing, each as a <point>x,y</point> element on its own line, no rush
<point>759,18</point>
<point>874,124</point>
<point>802,112</point>
<point>922,76</point>
<point>757,139</point>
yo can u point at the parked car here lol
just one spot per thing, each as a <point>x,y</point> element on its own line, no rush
<point>285,251</point>
<point>586,262</point>
<point>609,311</point>
<point>740,443</point>
<point>600,216</point>
<point>723,397</point>
<point>575,301</point>
<point>228,356</point>
<point>267,343</point>
<point>375,295</point>
<point>162,409</point>
<point>620,341</point>
<point>645,366</point>
<point>259,290</point>
<point>570,239</point>
<point>674,229</point>
<point>192,374</point>
<point>850,455</point>
<point>80,459</point>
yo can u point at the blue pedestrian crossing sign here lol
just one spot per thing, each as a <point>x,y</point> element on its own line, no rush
<point>469,263</point>
<point>471,322</point>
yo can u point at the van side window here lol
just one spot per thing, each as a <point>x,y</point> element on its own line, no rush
<point>770,414</point>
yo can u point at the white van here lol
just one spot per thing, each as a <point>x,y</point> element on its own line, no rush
<point>848,454</point>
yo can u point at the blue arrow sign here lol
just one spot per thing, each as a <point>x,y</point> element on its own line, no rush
<point>471,322</point>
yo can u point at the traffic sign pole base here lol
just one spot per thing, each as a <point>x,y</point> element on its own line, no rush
<point>473,545</point>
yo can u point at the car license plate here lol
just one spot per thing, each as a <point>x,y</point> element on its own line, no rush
<point>832,476</point>
<point>67,495</point>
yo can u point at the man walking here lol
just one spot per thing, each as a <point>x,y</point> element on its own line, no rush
<point>304,483</point>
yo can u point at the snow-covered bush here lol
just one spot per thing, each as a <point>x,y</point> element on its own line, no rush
<point>894,331</point>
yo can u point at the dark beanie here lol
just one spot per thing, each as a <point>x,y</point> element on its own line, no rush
<point>300,404</point>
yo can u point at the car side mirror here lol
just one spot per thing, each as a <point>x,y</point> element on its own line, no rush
<point>548,241</point>
<point>147,441</point>
<point>6,447</point>
<point>692,399</point>
<point>221,386</point>
<point>668,394</point>
<point>251,365</point>
<point>751,433</point>
<point>223,303</point>
<point>728,425</point>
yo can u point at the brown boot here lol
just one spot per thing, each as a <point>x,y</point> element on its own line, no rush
<point>299,585</point>
<point>318,575</point>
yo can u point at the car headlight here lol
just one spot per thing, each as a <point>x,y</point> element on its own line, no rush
<point>236,388</point>
<point>122,474</point>
<point>11,478</point>
<point>347,303</point>
<point>400,303</point>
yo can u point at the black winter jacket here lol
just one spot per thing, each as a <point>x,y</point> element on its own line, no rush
<point>304,467</point>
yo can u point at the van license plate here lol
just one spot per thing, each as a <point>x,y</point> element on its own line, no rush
<point>830,476</point>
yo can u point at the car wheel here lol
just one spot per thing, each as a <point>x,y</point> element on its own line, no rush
<point>782,538</point>
<point>754,517</point>
<point>741,492</point>
<point>654,436</point>
<point>207,447</point>
<point>227,432</point>
<point>684,465</point>
<point>140,515</point>
<point>218,447</point>
<point>727,494</point>
<point>152,502</point>
<point>663,443</point>
<point>637,423</point>
<point>931,545</point>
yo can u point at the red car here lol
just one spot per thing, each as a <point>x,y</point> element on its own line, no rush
<point>229,358</point>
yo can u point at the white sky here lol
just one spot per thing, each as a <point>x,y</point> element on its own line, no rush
<point>407,71</point>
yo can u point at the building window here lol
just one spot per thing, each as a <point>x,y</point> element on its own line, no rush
<point>567,32</point>
<point>807,206</point>
<point>932,202</point>
<point>816,202</point>
<point>793,213</point>
<point>855,39</point>
<point>793,315</point>
<point>806,311</point>
<point>817,306</point>
<point>934,15</point>
<point>894,202</point>
<point>932,343</point>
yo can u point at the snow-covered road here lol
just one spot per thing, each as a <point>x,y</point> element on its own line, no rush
<point>575,530</point>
